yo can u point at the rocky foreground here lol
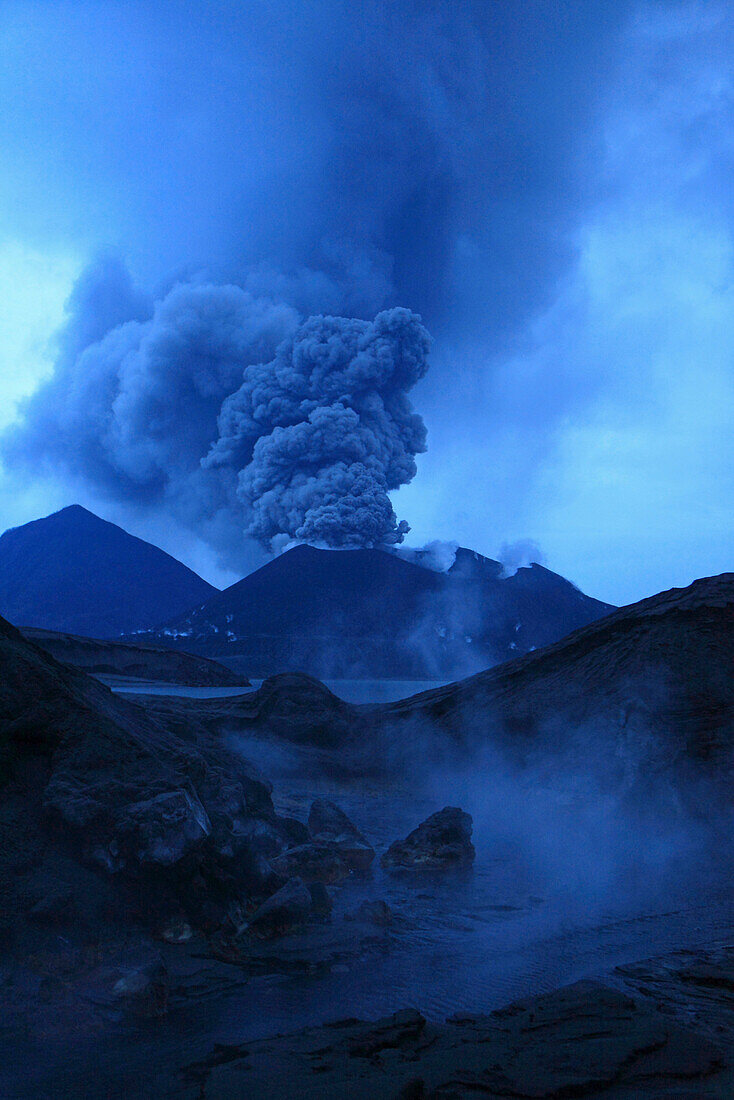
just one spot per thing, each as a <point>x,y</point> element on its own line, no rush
<point>145,871</point>
<point>663,1028</point>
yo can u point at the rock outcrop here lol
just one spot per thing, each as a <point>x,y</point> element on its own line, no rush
<point>441,842</point>
<point>105,658</point>
<point>103,808</point>
<point>644,698</point>
<point>287,909</point>
<point>329,825</point>
<point>590,1040</point>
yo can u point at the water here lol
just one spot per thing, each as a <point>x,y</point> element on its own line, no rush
<point>351,691</point>
<point>473,942</point>
<point>511,927</point>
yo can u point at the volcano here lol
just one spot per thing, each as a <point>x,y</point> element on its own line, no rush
<point>371,613</point>
<point>74,572</point>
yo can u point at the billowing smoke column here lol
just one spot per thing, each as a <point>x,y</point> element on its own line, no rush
<point>225,410</point>
<point>325,431</point>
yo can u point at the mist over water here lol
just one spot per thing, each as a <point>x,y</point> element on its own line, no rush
<point>571,878</point>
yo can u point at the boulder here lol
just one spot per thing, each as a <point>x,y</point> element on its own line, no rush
<point>441,842</point>
<point>294,831</point>
<point>312,863</point>
<point>328,824</point>
<point>165,828</point>
<point>287,909</point>
<point>376,912</point>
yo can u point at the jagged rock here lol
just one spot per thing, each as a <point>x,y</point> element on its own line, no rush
<point>165,828</point>
<point>143,816</point>
<point>442,841</point>
<point>284,911</point>
<point>294,830</point>
<point>312,863</point>
<point>56,907</point>
<point>328,824</point>
<point>176,930</point>
<point>587,1040</point>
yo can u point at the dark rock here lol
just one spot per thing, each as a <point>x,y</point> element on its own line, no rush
<point>312,863</point>
<point>289,908</point>
<point>294,831</point>
<point>587,1040</point>
<point>328,824</point>
<point>57,907</point>
<point>373,912</point>
<point>138,817</point>
<point>163,829</point>
<point>176,930</point>
<point>321,903</point>
<point>442,841</point>
<point>122,659</point>
<point>144,990</point>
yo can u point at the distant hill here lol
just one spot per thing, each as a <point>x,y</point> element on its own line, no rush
<point>112,658</point>
<point>73,571</point>
<point>342,613</point>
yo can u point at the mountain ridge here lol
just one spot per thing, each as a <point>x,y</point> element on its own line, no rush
<point>74,572</point>
<point>336,613</point>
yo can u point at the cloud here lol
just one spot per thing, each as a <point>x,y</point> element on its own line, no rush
<point>549,188</point>
<point>518,555</point>
<point>219,407</point>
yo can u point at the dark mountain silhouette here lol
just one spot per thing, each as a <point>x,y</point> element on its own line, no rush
<point>112,658</point>
<point>73,571</point>
<point>645,693</point>
<point>371,613</point>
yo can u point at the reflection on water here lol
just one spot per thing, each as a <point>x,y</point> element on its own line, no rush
<point>352,691</point>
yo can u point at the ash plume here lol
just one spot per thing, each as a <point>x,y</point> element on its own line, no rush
<point>228,412</point>
<point>323,432</point>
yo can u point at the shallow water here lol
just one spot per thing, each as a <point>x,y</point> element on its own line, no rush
<point>351,691</point>
<point>511,927</point>
<point>459,943</point>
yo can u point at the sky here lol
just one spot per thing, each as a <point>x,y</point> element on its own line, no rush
<point>546,185</point>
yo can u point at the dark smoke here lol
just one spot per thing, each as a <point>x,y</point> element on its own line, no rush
<point>325,431</point>
<point>216,406</point>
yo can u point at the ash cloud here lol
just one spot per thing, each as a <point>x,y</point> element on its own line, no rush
<point>229,412</point>
<point>323,432</point>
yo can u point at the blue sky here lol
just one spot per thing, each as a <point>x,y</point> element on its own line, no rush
<point>548,184</point>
